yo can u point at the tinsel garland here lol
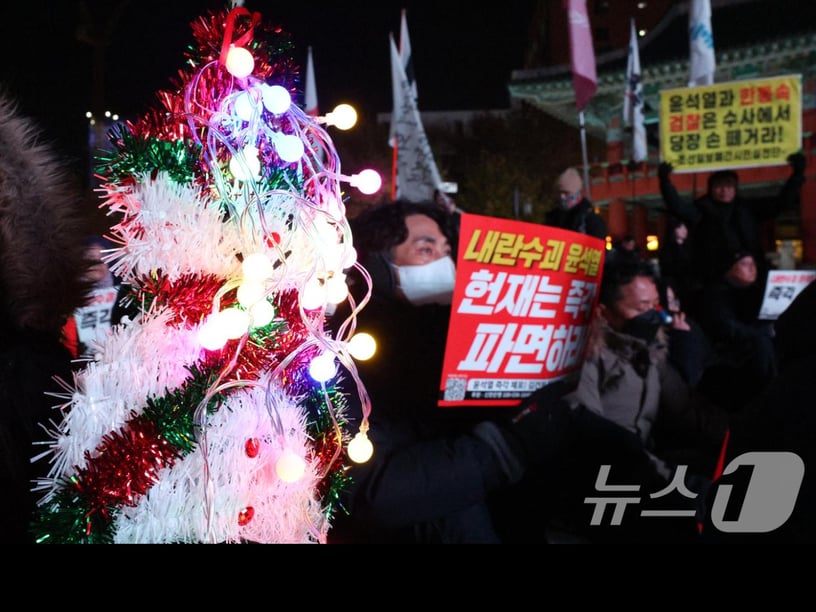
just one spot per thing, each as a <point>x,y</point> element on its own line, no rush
<point>124,467</point>
<point>127,463</point>
<point>133,153</point>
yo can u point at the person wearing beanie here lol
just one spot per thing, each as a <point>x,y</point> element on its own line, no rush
<point>744,359</point>
<point>722,221</point>
<point>42,275</point>
<point>574,212</point>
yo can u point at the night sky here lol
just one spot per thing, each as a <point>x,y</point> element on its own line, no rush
<point>463,55</point>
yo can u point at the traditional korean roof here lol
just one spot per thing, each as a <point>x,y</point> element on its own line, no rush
<point>752,39</point>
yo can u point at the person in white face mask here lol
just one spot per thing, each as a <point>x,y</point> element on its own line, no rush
<point>423,263</point>
<point>433,469</point>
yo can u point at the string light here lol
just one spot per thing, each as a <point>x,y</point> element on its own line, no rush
<point>367,182</point>
<point>362,346</point>
<point>240,62</point>
<point>262,314</point>
<point>323,368</point>
<point>360,449</point>
<point>343,117</point>
<point>241,125</point>
<point>290,467</point>
<point>276,99</point>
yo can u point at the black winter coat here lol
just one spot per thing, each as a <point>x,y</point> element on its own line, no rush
<point>719,230</point>
<point>43,225</point>
<point>429,478</point>
<point>783,420</point>
<point>580,218</point>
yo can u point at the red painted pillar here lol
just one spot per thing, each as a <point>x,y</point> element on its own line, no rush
<point>807,216</point>
<point>640,226</point>
<point>618,222</point>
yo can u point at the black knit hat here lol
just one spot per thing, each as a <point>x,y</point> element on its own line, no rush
<point>723,176</point>
<point>731,259</point>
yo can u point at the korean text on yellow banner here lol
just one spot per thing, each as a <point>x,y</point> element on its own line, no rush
<point>739,124</point>
<point>521,312</point>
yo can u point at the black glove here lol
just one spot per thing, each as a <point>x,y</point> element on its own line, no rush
<point>541,426</point>
<point>664,170</point>
<point>798,162</point>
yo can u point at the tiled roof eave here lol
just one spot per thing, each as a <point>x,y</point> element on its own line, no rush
<point>557,87</point>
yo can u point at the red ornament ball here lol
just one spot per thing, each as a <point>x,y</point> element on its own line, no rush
<point>253,447</point>
<point>245,516</point>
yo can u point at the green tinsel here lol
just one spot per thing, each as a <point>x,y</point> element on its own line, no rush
<point>133,155</point>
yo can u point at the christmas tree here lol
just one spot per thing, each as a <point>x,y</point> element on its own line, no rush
<point>212,414</point>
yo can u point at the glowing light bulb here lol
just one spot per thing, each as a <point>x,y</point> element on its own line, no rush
<point>336,289</point>
<point>360,448</point>
<point>367,181</point>
<point>290,148</point>
<point>313,295</point>
<point>211,335</point>
<point>349,258</point>
<point>245,105</point>
<point>262,314</point>
<point>246,165</point>
<point>290,467</point>
<point>234,322</point>
<point>362,346</point>
<point>323,368</point>
<point>276,99</point>
<point>240,62</point>
<point>258,267</point>
<point>250,293</point>
<point>343,117</point>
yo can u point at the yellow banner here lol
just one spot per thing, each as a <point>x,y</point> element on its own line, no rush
<point>740,124</point>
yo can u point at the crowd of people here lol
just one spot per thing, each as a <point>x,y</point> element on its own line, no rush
<point>680,374</point>
<point>671,386</point>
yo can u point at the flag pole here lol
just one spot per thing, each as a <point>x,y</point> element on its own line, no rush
<point>587,189</point>
<point>394,155</point>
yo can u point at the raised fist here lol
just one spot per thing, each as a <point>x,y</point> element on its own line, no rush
<point>664,170</point>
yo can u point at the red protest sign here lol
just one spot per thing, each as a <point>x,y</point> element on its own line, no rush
<point>522,307</point>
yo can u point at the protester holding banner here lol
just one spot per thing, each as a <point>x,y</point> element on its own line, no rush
<point>433,470</point>
<point>722,221</point>
<point>573,211</point>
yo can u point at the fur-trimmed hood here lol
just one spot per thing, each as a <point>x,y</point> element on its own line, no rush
<point>43,223</point>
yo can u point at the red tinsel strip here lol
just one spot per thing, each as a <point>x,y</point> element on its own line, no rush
<point>189,298</point>
<point>124,468</point>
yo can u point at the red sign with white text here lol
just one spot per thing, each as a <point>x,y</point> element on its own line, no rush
<point>522,308</point>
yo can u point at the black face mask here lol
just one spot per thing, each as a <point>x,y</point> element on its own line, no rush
<point>644,326</point>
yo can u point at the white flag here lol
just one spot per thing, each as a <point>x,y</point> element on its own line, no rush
<point>633,100</point>
<point>417,175</point>
<point>702,63</point>
<point>405,55</point>
<point>407,65</point>
<point>311,89</point>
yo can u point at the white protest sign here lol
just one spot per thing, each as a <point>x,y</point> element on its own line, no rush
<point>781,289</point>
